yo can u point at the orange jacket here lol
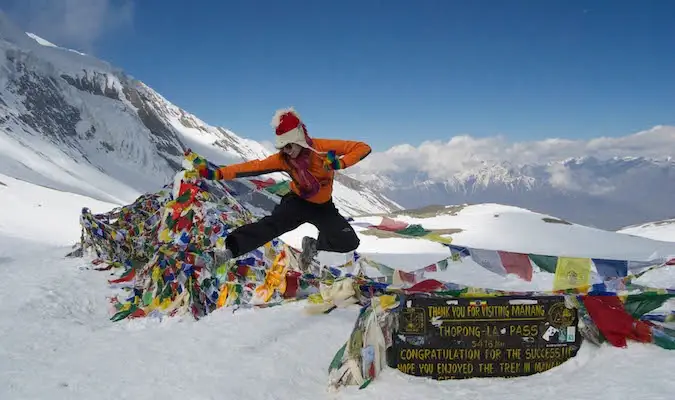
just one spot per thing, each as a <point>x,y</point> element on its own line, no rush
<point>351,152</point>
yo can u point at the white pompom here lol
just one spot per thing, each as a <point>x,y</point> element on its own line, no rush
<point>277,115</point>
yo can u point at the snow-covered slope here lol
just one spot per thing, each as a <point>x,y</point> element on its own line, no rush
<point>491,227</point>
<point>607,185</point>
<point>75,123</point>
<point>659,230</point>
<point>40,214</point>
<point>58,342</point>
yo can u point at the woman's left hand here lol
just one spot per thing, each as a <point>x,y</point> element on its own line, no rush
<point>332,162</point>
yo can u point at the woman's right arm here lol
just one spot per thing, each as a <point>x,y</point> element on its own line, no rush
<point>273,163</point>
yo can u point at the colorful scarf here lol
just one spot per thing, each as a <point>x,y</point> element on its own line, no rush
<point>309,185</point>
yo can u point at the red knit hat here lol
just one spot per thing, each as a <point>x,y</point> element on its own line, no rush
<point>289,128</point>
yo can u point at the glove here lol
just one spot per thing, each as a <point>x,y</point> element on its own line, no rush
<point>204,171</point>
<point>332,162</point>
<point>209,173</point>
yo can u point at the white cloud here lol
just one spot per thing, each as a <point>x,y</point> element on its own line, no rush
<point>565,178</point>
<point>441,159</point>
<point>76,24</point>
<point>561,177</point>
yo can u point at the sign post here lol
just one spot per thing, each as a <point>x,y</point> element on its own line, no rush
<point>456,337</point>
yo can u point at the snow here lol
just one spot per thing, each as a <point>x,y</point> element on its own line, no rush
<point>661,230</point>
<point>40,40</point>
<point>60,332</point>
<point>45,42</point>
<point>34,213</point>
<point>58,342</point>
<point>508,228</point>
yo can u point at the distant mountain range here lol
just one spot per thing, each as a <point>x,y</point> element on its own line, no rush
<point>607,194</point>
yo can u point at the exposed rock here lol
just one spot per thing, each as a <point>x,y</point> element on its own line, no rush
<point>556,221</point>
<point>48,111</point>
<point>96,84</point>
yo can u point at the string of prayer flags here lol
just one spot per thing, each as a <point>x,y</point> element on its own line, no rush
<point>570,272</point>
<point>403,229</point>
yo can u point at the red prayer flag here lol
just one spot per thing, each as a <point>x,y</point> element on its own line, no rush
<point>431,268</point>
<point>183,223</point>
<point>260,184</point>
<point>516,263</point>
<point>427,285</point>
<point>242,270</point>
<point>406,276</point>
<point>125,278</point>
<point>389,224</point>
<point>138,313</point>
<point>292,284</point>
<point>611,318</point>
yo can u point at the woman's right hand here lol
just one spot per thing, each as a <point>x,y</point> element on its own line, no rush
<point>202,167</point>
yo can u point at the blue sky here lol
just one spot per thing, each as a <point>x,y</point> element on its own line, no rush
<point>391,72</point>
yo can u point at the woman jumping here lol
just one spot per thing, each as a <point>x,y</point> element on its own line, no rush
<point>311,164</point>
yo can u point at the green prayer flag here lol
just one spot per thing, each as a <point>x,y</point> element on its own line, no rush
<point>183,197</point>
<point>147,298</point>
<point>337,359</point>
<point>413,230</point>
<point>639,304</point>
<point>546,263</point>
<point>664,341</point>
<point>366,383</point>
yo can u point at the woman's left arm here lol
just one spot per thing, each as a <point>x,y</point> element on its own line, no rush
<point>343,153</point>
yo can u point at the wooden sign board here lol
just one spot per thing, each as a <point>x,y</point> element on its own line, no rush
<point>455,338</point>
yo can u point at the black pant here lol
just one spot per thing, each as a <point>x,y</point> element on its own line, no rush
<point>335,233</point>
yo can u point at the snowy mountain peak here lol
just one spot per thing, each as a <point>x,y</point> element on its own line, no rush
<point>45,42</point>
<point>489,174</point>
<point>75,123</point>
<point>40,40</point>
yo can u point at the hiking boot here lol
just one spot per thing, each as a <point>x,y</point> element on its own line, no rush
<point>220,257</point>
<point>308,253</point>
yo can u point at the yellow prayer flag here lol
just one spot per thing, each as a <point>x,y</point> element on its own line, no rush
<point>222,298</point>
<point>156,273</point>
<point>387,301</point>
<point>571,273</point>
<point>165,303</point>
<point>436,237</point>
<point>165,235</point>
